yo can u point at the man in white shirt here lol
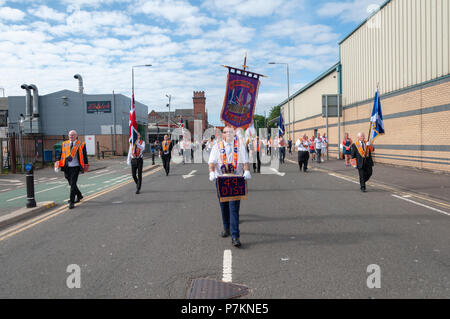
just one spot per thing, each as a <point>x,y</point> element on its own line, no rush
<point>237,157</point>
<point>303,152</point>
<point>319,144</point>
<point>136,159</point>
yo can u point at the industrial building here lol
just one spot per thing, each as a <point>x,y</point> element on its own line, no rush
<point>101,120</point>
<point>403,49</point>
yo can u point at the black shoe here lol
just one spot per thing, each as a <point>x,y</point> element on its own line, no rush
<point>225,233</point>
<point>363,189</point>
<point>78,199</point>
<point>71,205</point>
<point>138,191</point>
<point>236,242</point>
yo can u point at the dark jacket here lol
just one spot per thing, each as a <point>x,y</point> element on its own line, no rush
<point>361,162</point>
<point>77,155</point>
<point>170,149</point>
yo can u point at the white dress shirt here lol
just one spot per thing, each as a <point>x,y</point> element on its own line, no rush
<point>216,158</point>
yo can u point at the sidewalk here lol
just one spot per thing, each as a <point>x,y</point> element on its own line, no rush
<point>433,184</point>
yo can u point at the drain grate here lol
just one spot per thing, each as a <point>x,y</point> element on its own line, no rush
<point>204,288</point>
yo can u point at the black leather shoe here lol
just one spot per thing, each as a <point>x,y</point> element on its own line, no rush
<point>225,233</point>
<point>236,242</point>
<point>71,205</point>
<point>363,190</point>
<point>78,199</point>
<point>138,191</point>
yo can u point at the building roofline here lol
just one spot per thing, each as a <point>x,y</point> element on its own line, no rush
<point>364,22</point>
<point>310,84</point>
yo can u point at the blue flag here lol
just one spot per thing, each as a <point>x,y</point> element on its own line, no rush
<point>280,126</point>
<point>376,120</point>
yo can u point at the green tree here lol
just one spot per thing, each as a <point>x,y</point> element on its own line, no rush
<point>274,113</point>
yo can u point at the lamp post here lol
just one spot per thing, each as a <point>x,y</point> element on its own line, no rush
<point>168,119</point>
<point>132,78</point>
<point>288,99</point>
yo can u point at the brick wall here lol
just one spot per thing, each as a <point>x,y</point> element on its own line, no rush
<point>416,121</point>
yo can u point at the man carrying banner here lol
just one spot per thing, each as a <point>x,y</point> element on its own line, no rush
<point>229,157</point>
<point>166,153</point>
<point>73,161</point>
<point>136,159</point>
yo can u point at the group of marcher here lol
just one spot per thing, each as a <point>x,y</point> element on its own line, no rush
<point>228,154</point>
<point>314,147</point>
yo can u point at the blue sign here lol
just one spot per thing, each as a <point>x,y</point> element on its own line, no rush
<point>28,167</point>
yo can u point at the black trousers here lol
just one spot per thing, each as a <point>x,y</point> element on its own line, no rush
<point>257,165</point>
<point>137,167</point>
<point>303,157</point>
<point>319,153</point>
<point>166,163</point>
<point>364,175</point>
<point>71,174</point>
<point>282,154</point>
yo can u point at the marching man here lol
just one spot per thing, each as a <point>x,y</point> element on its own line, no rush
<point>229,156</point>
<point>166,153</point>
<point>136,158</point>
<point>73,161</point>
<point>303,152</point>
<point>362,159</point>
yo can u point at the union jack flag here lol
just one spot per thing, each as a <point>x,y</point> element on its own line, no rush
<point>132,130</point>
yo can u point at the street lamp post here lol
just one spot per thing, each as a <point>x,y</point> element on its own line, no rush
<point>168,118</point>
<point>288,99</point>
<point>132,78</point>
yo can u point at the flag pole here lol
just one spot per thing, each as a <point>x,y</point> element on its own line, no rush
<point>370,122</point>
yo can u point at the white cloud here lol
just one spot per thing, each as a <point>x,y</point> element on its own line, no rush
<point>47,13</point>
<point>349,11</point>
<point>10,14</point>
<point>189,18</point>
<point>317,33</point>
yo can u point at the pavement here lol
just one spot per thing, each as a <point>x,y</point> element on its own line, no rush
<point>304,235</point>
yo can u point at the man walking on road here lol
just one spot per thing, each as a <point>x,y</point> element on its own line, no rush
<point>229,156</point>
<point>73,161</point>
<point>303,152</point>
<point>136,158</point>
<point>166,153</point>
<point>362,159</point>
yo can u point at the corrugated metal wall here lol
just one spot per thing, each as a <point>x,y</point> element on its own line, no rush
<point>405,43</point>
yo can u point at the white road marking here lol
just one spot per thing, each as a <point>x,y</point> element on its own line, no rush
<point>98,175</point>
<point>227,271</point>
<point>4,190</point>
<point>191,174</point>
<point>420,204</point>
<point>11,181</point>
<point>44,190</point>
<point>344,178</point>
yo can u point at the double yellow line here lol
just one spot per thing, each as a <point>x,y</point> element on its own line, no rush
<point>57,211</point>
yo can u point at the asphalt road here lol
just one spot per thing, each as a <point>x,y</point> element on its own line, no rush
<point>307,235</point>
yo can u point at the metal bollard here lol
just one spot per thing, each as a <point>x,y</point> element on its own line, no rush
<point>153,157</point>
<point>31,202</point>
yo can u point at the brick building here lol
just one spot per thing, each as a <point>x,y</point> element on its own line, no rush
<point>158,122</point>
<point>404,49</point>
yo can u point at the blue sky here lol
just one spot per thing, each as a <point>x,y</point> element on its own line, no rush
<point>47,42</point>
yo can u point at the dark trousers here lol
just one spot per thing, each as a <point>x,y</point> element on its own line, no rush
<point>282,154</point>
<point>71,174</point>
<point>166,163</point>
<point>319,153</point>
<point>303,157</point>
<point>364,175</point>
<point>257,165</point>
<point>137,168</point>
<point>230,217</point>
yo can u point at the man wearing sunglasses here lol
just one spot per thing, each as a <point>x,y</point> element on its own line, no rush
<point>229,157</point>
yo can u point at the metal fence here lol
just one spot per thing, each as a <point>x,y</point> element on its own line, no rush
<point>18,150</point>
